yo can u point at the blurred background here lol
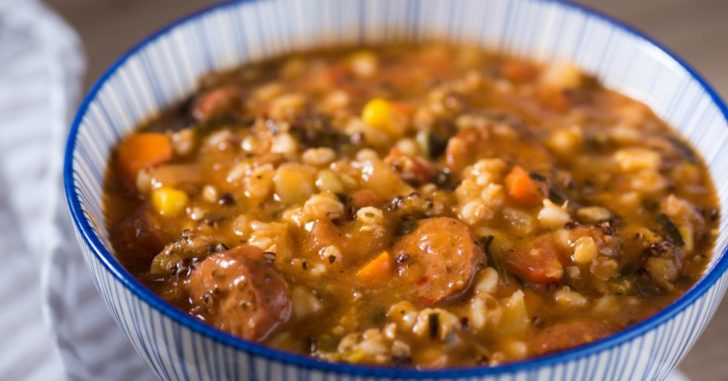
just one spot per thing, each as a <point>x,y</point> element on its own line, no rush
<point>695,29</point>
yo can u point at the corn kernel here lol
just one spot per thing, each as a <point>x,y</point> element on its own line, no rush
<point>381,114</point>
<point>637,159</point>
<point>566,297</point>
<point>169,202</point>
<point>377,112</point>
<point>364,63</point>
<point>585,250</point>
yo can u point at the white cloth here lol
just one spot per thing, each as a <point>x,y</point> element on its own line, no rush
<point>41,64</point>
<point>40,67</point>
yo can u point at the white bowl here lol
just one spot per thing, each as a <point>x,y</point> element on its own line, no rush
<point>165,67</point>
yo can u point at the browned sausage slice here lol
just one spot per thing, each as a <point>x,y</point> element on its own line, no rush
<point>137,238</point>
<point>538,262</point>
<point>214,102</point>
<point>412,168</point>
<point>563,336</point>
<point>438,259</point>
<point>243,292</point>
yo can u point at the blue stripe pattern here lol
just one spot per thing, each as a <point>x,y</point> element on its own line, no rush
<point>165,67</point>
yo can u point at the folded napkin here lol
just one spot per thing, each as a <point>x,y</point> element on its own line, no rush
<point>43,273</point>
<point>40,66</point>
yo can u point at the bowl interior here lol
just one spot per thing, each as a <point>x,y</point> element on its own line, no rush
<point>165,68</point>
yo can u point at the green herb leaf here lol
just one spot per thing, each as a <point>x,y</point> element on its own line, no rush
<point>495,260</point>
<point>670,230</point>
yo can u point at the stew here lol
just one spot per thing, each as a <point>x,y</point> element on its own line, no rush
<point>423,206</point>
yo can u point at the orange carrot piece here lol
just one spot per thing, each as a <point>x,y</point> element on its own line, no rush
<point>376,270</point>
<point>143,150</point>
<point>519,71</point>
<point>402,108</point>
<point>522,188</point>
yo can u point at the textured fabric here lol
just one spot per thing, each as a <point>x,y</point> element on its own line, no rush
<point>40,71</point>
<point>40,66</point>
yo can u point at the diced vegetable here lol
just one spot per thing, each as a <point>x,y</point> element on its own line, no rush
<point>376,270</point>
<point>519,71</point>
<point>585,249</point>
<point>143,150</point>
<point>522,188</point>
<point>515,321</point>
<point>169,202</point>
<point>384,116</point>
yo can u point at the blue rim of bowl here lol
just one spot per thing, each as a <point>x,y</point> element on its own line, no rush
<point>140,291</point>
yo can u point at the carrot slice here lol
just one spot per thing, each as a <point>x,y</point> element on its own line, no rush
<point>140,151</point>
<point>402,108</point>
<point>519,71</point>
<point>376,270</point>
<point>522,188</point>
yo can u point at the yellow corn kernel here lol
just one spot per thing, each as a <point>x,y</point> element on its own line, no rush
<point>169,202</point>
<point>364,63</point>
<point>382,115</point>
<point>637,159</point>
<point>585,250</point>
<point>377,112</point>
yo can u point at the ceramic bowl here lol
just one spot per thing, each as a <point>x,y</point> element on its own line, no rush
<point>165,67</point>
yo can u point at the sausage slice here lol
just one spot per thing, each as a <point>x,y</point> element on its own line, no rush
<point>214,102</point>
<point>538,262</point>
<point>137,238</point>
<point>438,260</point>
<point>243,292</point>
<point>563,336</point>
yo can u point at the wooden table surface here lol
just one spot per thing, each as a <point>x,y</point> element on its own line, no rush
<point>695,29</point>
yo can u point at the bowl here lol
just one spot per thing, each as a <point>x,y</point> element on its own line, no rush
<point>165,67</point>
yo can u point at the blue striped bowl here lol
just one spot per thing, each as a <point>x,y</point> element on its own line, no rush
<point>165,67</point>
